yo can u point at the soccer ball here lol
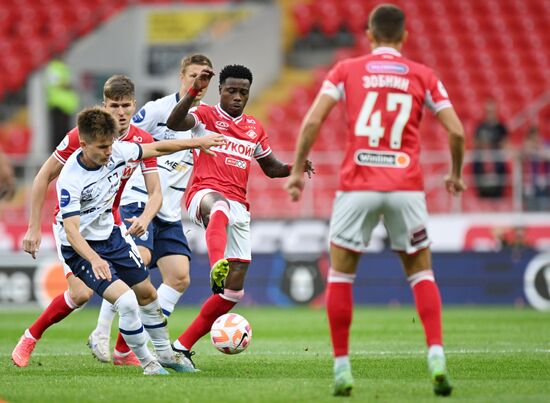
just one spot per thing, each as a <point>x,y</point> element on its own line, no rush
<point>231,333</point>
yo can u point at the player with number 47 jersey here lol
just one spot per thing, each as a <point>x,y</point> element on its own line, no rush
<point>384,95</point>
<point>384,111</point>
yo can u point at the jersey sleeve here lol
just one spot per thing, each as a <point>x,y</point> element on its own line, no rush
<point>437,97</point>
<point>148,165</point>
<point>199,114</point>
<point>263,148</point>
<point>147,117</point>
<point>129,151</point>
<point>69,192</point>
<point>67,147</point>
<point>333,85</point>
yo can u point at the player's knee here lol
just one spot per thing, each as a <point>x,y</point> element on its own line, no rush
<point>80,295</point>
<point>178,281</point>
<point>145,293</point>
<point>127,303</point>
<point>220,206</point>
<point>231,295</point>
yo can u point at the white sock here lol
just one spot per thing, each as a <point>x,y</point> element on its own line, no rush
<point>156,325</point>
<point>435,349</point>
<point>179,346</point>
<point>168,298</point>
<point>131,327</point>
<point>29,335</point>
<point>341,361</point>
<point>105,318</point>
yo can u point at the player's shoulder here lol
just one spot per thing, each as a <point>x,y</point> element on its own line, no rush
<point>152,110</point>
<point>72,169</point>
<point>138,135</point>
<point>204,108</point>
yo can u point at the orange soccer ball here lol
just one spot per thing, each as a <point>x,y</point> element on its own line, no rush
<point>231,333</point>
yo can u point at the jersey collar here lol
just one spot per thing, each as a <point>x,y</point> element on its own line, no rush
<point>125,135</point>
<point>227,115</point>
<point>385,49</point>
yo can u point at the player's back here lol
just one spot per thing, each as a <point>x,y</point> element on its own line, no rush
<point>384,95</point>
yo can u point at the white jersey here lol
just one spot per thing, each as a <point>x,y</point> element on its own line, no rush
<point>174,169</point>
<point>90,193</point>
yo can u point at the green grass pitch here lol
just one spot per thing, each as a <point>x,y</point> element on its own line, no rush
<point>494,355</point>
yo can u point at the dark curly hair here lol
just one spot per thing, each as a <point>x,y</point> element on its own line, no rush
<point>235,71</point>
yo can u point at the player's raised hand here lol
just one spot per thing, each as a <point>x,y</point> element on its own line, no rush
<point>295,185</point>
<point>212,140</point>
<point>31,241</point>
<point>454,185</point>
<point>101,269</point>
<point>138,226</point>
<point>308,168</point>
<point>203,79</point>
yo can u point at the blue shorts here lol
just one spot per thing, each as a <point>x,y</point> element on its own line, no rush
<point>124,262</point>
<point>162,238</point>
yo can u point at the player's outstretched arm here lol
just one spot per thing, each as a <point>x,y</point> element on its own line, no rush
<point>164,147</point>
<point>179,119</point>
<point>99,266</point>
<point>450,121</point>
<point>138,225</point>
<point>309,131</point>
<point>47,173</point>
<point>274,168</point>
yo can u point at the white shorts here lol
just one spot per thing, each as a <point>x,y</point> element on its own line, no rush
<point>238,231</point>
<point>355,214</point>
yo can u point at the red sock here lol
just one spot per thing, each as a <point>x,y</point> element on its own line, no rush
<point>56,311</point>
<point>121,345</point>
<point>212,309</point>
<point>339,299</point>
<point>216,236</point>
<point>428,305</point>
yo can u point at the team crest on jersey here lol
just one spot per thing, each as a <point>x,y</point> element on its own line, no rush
<point>252,134</point>
<point>387,67</point>
<point>235,162</point>
<point>222,125</point>
<point>383,159</point>
<point>138,117</point>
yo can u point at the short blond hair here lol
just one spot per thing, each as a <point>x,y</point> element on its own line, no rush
<point>198,59</point>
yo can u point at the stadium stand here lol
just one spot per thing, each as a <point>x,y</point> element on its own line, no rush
<point>480,49</point>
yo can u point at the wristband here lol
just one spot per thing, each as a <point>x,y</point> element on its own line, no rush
<point>193,92</point>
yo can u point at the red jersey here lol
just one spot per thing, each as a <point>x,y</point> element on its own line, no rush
<point>228,172</point>
<point>71,143</point>
<point>384,95</point>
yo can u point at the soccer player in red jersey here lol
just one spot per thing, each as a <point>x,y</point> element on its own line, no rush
<point>216,198</point>
<point>384,95</point>
<point>119,101</point>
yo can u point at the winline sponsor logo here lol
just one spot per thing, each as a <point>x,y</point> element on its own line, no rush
<point>386,159</point>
